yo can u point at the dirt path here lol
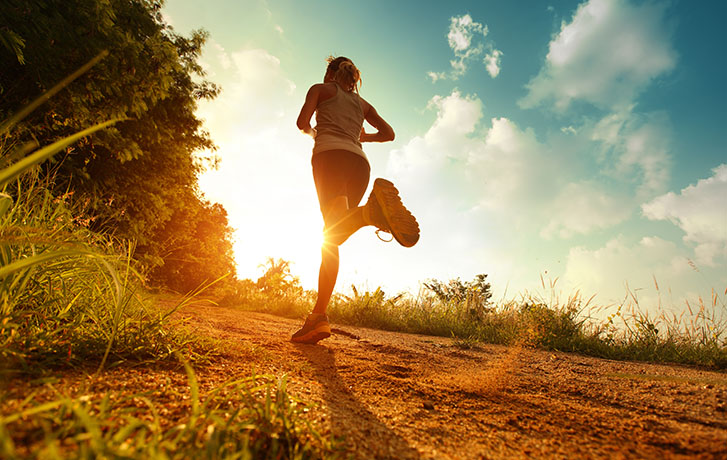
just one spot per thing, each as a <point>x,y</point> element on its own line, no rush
<point>404,396</point>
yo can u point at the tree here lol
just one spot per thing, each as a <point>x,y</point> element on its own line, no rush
<point>475,293</point>
<point>277,279</point>
<point>186,243</point>
<point>140,175</point>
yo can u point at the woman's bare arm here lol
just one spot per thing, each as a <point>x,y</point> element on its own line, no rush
<point>309,107</point>
<point>384,132</point>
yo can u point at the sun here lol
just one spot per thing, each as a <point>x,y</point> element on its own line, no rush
<point>295,236</point>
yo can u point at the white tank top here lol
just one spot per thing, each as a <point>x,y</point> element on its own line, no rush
<point>338,123</point>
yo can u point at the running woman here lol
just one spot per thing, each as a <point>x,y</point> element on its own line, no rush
<point>341,173</point>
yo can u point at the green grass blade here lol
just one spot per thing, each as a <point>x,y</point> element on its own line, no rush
<point>5,203</point>
<point>15,119</point>
<point>11,172</point>
<point>28,262</point>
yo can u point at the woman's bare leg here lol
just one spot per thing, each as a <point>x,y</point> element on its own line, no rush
<point>327,276</point>
<point>341,224</point>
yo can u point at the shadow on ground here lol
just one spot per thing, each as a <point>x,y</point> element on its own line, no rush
<point>349,418</point>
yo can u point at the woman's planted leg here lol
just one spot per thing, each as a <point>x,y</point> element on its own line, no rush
<point>316,326</point>
<point>327,276</point>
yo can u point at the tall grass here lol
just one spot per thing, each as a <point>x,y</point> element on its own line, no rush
<point>543,320</point>
<point>528,320</point>
<point>82,301</point>
<point>698,335</point>
<point>552,323</point>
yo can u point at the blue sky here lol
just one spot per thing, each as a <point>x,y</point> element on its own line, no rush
<point>579,141</point>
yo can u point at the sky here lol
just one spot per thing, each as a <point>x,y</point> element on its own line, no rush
<point>575,143</point>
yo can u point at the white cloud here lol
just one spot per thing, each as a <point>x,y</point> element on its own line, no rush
<point>634,148</point>
<point>437,75</point>
<point>700,211</point>
<point>508,172</point>
<point>605,56</point>
<point>457,161</point>
<point>461,30</point>
<point>640,267</point>
<point>492,62</point>
<point>467,39</point>
<point>584,206</point>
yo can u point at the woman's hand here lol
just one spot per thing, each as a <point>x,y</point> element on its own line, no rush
<point>312,132</point>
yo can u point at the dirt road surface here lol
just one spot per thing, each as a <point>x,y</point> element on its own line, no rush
<point>404,396</point>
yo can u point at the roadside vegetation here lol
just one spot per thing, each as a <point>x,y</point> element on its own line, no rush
<point>465,312</point>
<point>99,206</point>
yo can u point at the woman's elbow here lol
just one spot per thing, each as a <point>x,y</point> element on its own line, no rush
<point>391,135</point>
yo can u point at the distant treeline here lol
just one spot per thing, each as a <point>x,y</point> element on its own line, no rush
<point>138,179</point>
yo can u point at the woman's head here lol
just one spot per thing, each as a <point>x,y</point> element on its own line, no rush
<point>342,70</point>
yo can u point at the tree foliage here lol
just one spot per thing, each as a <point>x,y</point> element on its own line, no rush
<point>277,279</point>
<point>139,178</point>
<point>475,293</point>
<point>194,237</point>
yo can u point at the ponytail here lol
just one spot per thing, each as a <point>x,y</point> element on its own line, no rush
<point>344,72</point>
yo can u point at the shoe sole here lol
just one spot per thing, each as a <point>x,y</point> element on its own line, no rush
<point>317,334</point>
<point>384,189</point>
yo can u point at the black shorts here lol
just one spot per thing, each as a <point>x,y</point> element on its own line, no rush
<point>340,173</point>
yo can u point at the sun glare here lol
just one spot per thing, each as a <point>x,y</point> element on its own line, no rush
<point>298,242</point>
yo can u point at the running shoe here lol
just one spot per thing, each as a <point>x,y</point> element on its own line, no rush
<point>386,211</point>
<point>316,328</point>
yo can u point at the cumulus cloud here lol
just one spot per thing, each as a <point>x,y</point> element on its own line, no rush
<point>506,170</point>
<point>584,206</point>
<point>700,211</point>
<point>467,39</point>
<point>492,62</point>
<point>461,30</point>
<point>486,191</point>
<point>605,56</point>
<point>641,267</point>
<point>473,167</point>
<point>635,148</point>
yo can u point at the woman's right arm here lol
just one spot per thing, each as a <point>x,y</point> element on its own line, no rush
<point>309,107</point>
<point>384,132</point>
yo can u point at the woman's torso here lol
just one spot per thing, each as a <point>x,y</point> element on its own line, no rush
<point>339,120</point>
